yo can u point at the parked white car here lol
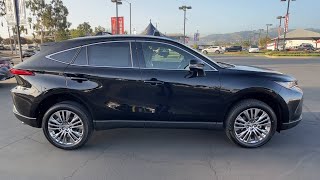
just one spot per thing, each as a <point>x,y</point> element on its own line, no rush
<point>254,49</point>
<point>213,49</point>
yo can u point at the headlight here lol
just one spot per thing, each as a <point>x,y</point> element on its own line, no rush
<point>288,85</point>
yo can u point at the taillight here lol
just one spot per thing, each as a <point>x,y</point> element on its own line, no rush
<point>21,72</point>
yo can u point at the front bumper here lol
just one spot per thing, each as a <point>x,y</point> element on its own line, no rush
<point>291,124</point>
<point>294,103</point>
<point>27,120</point>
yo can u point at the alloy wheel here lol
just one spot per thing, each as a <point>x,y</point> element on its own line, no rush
<point>66,128</point>
<point>252,126</point>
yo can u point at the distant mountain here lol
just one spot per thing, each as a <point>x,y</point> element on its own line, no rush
<point>241,36</point>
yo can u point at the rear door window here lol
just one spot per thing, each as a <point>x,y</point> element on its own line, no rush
<point>115,54</point>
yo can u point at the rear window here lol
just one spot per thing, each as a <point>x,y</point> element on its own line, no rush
<point>64,56</point>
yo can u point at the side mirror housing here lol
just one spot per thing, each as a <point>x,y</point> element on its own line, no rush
<point>197,68</point>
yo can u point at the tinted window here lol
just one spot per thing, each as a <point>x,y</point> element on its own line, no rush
<point>164,56</point>
<point>81,58</point>
<point>116,54</point>
<point>65,56</point>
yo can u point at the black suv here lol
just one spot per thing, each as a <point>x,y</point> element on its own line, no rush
<point>74,87</point>
<point>234,49</point>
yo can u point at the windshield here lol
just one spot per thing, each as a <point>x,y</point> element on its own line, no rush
<point>254,46</point>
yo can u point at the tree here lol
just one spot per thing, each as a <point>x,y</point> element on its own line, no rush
<point>38,9</point>
<point>99,29</point>
<point>74,33</point>
<point>59,22</point>
<point>246,43</point>
<point>264,41</point>
<point>85,28</point>
<point>51,17</point>
<point>2,8</point>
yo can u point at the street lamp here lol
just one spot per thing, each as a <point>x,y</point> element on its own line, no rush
<point>279,30</point>
<point>130,12</point>
<point>118,2</point>
<point>184,8</point>
<point>267,33</point>
<point>286,29</point>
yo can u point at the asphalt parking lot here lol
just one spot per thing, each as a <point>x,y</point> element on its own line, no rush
<point>158,154</point>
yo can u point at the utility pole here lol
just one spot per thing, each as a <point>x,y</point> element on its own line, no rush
<point>286,24</point>
<point>267,35</point>
<point>118,2</point>
<point>184,8</point>
<point>260,30</point>
<point>16,11</point>
<point>279,30</point>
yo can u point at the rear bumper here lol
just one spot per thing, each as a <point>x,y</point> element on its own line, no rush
<point>25,119</point>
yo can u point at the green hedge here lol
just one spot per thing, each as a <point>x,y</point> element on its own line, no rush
<point>292,53</point>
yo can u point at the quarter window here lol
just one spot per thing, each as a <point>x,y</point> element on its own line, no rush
<point>115,54</point>
<point>82,58</point>
<point>65,56</point>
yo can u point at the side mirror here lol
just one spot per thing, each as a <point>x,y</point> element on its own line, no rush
<point>197,68</point>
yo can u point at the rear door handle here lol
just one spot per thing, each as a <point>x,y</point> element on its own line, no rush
<point>78,79</point>
<point>154,83</point>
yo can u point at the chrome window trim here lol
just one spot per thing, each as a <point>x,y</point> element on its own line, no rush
<point>115,41</point>
<point>212,68</point>
<point>85,46</point>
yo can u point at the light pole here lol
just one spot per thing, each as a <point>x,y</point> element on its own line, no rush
<point>118,2</point>
<point>267,35</point>
<point>279,30</point>
<point>287,26</point>
<point>184,8</point>
<point>130,14</point>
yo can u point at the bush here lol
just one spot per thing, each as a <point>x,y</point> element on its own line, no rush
<point>292,53</point>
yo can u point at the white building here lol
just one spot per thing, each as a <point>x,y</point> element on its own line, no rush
<point>299,36</point>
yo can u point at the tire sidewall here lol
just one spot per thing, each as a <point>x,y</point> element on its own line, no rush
<point>240,108</point>
<point>78,110</point>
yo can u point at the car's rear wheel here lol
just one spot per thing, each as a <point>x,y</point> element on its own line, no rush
<point>67,125</point>
<point>251,123</point>
<point>217,52</point>
<point>205,52</point>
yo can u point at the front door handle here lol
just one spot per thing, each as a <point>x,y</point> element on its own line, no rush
<point>154,82</point>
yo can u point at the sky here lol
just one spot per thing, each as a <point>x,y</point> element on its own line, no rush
<point>206,16</point>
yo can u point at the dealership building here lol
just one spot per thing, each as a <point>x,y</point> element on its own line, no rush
<point>297,37</point>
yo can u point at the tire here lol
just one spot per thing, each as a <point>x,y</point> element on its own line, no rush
<point>84,121</point>
<point>217,52</point>
<point>234,133</point>
<point>205,52</point>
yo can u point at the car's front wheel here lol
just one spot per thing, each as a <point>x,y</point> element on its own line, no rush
<point>67,125</point>
<point>251,123</point>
